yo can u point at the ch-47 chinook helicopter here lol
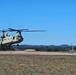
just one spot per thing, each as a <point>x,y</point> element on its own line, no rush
<point>15,39</point>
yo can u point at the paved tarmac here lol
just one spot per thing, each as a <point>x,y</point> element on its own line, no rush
<point>37,53</point>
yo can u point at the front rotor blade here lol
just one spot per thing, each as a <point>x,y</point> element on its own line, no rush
<point>34,31</point>
<point>23,29</point>
<point>5,30</point>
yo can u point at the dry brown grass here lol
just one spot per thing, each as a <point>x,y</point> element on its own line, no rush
<point>37,65</point>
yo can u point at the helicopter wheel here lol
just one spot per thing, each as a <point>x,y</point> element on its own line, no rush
<point>17,44</point>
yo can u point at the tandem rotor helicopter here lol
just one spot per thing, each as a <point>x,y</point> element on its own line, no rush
<point>15,39</point>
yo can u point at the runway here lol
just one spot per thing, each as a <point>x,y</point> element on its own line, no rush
<point>37,53</point>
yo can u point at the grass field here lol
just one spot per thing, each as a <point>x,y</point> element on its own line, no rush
<point>37,65</point>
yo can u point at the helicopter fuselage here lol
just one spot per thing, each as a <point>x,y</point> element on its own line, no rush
<point>11,39</point>
<point>15,39</point>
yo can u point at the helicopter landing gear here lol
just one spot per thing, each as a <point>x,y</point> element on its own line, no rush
<point>17,44</point>
<point>9,45</point>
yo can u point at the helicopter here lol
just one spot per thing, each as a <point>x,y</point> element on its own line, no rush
<point>14,39</point>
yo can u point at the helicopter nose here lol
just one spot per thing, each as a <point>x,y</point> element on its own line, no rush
<point>19,38</point>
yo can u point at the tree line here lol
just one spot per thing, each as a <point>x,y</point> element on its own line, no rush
<point>63,48</point>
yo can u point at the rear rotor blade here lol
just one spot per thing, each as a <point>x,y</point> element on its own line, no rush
<point>10,29</point>
<point>5,30</point>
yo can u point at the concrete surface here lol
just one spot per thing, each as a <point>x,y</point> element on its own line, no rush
<point>37,53</point>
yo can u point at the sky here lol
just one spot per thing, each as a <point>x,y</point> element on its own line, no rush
<point>57,17</point>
